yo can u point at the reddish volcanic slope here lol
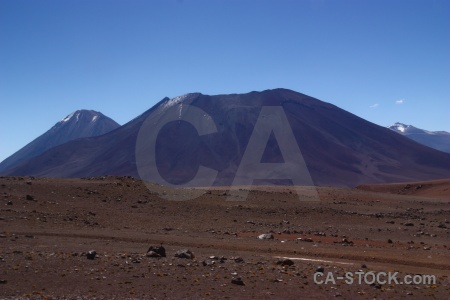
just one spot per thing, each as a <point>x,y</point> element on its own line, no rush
<point>432,188</point>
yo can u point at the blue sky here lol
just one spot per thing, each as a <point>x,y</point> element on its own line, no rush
<point>385,61</point>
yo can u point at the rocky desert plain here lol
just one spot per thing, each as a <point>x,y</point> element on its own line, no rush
<point>50,228</point>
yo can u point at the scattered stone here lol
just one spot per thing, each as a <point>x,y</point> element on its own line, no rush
<point>159,250</point>
<point>91,254</point>
<point>152,254</point>
<point>320,269</point>
<point>9,203</point>
<point>184,253</point>
<point>237,259</point>
<point>409,224</point>
<point>389,241</point>
<point>285,262</point>
<point>206,263</point>
<point>363,266</point>
<point>346,242</point>
<point>309,240</point>
<point>237,281</point>
<point>3,281</point>
<point>29,197</point>
<point>266,236</point>
<point>442,225</point>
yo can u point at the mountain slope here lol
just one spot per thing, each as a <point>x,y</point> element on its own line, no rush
<point>339,148</point>
<point>439,140</point>
<point>79,124</point>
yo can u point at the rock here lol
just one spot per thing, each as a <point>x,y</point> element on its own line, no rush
<point>207,263</point>
<point>152,254</point>
<point>389,241</point>
<point>237,281</point>
<point>29,197</point>
<point>309,240</point>
<point>136,261</point>
<point>237,259</point>
<point>184,253</point>
<point>346,242</point>
<point>265,236</point>
<point>409,224</point>
<point>285,262</point>
<point>320,269</point>
<point>91,254</point>
<point>364,266</point>
<point>3,281</point>
<point>160,250</point>
<point>9,203</point>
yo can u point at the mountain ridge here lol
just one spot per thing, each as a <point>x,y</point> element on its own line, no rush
<point>79,124</point>
<point>439,140</point>
<point>339,148</point>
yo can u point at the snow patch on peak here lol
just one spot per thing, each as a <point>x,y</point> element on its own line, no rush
<point>174,101</point>
<point>68,117</point>
<point>399,127</point>
<point>177,100</point>
<point>94,118</point>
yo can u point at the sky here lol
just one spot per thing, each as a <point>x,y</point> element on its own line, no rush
<point>385,61</point>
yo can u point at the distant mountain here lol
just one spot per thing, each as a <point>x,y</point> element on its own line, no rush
<point>439,140</point>
<point>79,124</point>
<point>339,148</point>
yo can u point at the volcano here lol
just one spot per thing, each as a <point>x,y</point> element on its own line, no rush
<point>79,124</point>
<point>337,147</point>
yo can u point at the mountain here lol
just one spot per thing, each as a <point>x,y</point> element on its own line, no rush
<point>439,140</point>
<point>79,124</point>
<point>339,148</point>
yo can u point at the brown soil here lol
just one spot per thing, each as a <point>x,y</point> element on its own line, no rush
<point>45,238</point>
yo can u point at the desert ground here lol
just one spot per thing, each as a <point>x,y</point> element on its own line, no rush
<point>49,226</point>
